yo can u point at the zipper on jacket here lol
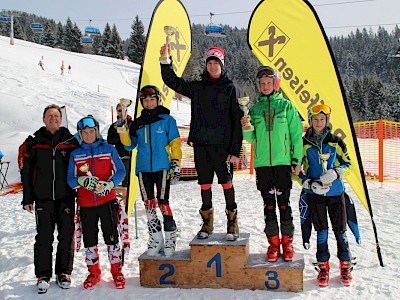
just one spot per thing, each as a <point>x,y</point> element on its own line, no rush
<point>151,150</point>
<point>91,154</point>
<point>269,130</point>
<point>54,172</point>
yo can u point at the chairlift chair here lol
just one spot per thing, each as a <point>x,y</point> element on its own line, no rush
<point>213,29</point>
<point>92,30</point>
<point>86,40</point>
<point>5,19</point>
<point>37,27</point>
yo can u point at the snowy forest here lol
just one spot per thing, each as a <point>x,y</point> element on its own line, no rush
<point>365,58</point>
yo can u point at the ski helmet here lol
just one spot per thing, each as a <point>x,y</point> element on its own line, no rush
<point>87,122</point>
<point>319,109</point>
<point>266,71</point>
<point>149,90</point>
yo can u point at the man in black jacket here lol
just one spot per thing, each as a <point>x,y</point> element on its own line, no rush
<point>215,133</point>
<point>47,193</point>
<point>113,139</point>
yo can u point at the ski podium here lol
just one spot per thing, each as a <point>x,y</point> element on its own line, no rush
<point>217,263</point>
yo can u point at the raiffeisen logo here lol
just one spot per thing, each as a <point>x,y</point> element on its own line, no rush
<point>270,44</point>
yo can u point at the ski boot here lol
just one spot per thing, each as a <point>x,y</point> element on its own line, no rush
<point>208,223</point>
<point>170,243</point>
<point>232,225</point>
<point>93,278</point>
<point>287,247</point>
<point>274,248</point>
<point>323,273</point>
<point>119,279</point>
<point>345,272</point>
<point>43,284</point>
<point>64,281</point>
<point>155,244</point>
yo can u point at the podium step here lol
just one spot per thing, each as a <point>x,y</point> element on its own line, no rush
<point>217,263</point>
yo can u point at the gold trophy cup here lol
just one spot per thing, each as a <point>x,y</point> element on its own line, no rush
<point>125,103</point>
<point>169,31</point>
<point>324,159</point>
<point>244,106</point>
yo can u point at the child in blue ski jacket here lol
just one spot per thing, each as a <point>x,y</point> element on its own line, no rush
<point>325,163</point>
<point>156,137</point>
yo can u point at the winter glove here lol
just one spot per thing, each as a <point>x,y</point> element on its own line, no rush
<point>88,182</point>
<point>120,122</point>
<point>174,172</point>
<point>331,175</point>
<point>103,188</point>
<point>316,186</point>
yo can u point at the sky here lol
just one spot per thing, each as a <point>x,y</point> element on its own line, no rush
<point>339,17</point>
<point>93,87</point>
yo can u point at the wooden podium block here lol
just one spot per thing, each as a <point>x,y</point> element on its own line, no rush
<point>217,263</point>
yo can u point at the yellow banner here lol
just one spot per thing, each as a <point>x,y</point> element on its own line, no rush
<point>167,13</point>
<point>288,35</point>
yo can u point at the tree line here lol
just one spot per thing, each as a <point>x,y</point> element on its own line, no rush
<point>367,65</point>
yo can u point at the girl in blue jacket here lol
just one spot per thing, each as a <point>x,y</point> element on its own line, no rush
<point>156,137</point>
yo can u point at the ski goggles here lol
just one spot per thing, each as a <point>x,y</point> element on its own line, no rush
<point>147,91</point>
<point>266,72</point>
<point>87,122</point>
<point>320,108</point>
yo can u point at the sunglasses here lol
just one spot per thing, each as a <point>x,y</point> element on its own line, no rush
<point>320,108</point>
<point>86,122</point>
<point>119,110</point>
<point>267,72</point>
<point>146,92</point>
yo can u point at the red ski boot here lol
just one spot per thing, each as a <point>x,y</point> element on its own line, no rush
<point>345,272</point>
<point>287,247</point>
<point>93,278</point>
<point>119,279</point>
<point>323,273</point>
<point>274,248</point>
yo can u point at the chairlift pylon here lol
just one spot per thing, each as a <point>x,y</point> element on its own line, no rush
<point>214,30</point>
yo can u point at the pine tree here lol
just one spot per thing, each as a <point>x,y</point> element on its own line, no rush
<point>48,36</point>
<point>76,39</point>
<point>116,42</point>
<point>68,36</point>
<point>106,47</point>
<point>59,37</point>
<point>137,42</point>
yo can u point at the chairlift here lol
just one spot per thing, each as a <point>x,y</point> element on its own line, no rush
<point>37,27</point>
<point>213,29</point>
<point>5,19</point>
<point>86,40</point>
<point>91,30</point>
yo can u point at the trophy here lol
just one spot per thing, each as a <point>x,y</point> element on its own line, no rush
<point>85,169</point>
<point>169,31</point>
<point>324,158</point>
<point>125,103</point>
<point>244,105</point>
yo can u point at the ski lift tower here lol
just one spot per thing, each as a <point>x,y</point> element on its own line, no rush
<point>9,18</point>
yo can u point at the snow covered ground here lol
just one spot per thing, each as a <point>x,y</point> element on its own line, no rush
<point>93,87</point>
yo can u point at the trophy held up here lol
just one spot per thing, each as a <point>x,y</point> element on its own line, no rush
<point>244,105</point>
<point>125,103</point>
<point>169,31</point>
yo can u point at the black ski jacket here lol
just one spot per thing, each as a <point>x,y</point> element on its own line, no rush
<point>45,166</point>
<point>215,112</point>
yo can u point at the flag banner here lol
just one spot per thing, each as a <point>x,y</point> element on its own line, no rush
<point>170,13</point>
<point>287,35</point>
